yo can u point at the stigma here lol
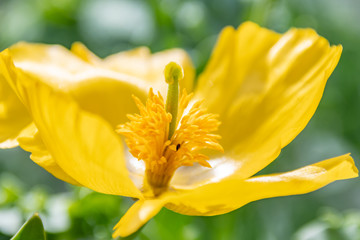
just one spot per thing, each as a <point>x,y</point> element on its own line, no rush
<point>164,137</point>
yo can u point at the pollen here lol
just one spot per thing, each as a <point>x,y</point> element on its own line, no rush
<point>148,139</point>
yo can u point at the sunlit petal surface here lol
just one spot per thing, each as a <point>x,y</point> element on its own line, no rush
<point>227,195</point>
<point>93,88</point>
<point>265,87</point>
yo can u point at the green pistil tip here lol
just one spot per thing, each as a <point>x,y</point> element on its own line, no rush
<point>173,74</point>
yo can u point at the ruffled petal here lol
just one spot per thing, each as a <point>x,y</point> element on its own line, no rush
<point>141,63</point>
<point>84,53</point>
<point>97,90</point>
<point>265,87</point>
<point>232,193</point>
<point>82,144</point>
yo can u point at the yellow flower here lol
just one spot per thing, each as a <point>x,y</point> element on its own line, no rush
<point>66,106</point>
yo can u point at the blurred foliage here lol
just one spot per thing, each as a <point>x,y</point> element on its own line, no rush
<point>76,214</point>
<point>109,26</point>
<point>332,225</point>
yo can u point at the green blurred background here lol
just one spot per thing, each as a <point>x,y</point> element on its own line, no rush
<point>109,26</point>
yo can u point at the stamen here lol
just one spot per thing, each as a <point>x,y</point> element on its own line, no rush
<point>173,73</point>
<point>150,139</point>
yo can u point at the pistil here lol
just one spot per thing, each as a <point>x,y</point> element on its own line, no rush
<point>173,74</point>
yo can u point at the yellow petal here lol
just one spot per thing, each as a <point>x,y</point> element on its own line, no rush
<point>232,193</point>
<point>84,53</point>
<point>33,143</point>
<point>139,213</point>
<point>82,144</point>
<point>14,117</point>
<point>109,96</point>
<point>27,136</point>
<point>265,87</point>
<point>98,90</point>
<point>142,64</point>
<point>53,64</point>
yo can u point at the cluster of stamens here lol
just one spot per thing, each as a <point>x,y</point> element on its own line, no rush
<point>166,143</point>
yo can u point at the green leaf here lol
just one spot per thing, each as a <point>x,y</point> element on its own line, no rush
<point>32,229</point>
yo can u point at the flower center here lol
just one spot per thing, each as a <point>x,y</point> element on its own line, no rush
<point>164,137</point>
